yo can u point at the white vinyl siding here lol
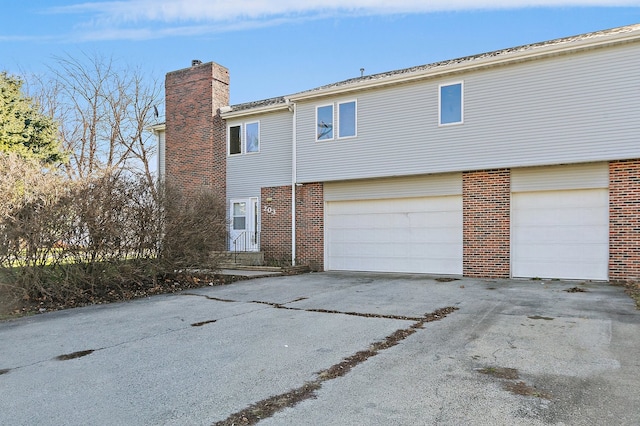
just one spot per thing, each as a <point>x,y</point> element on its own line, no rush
<point>566,109</point>
<point>246,174</point>
<point>560,222</point>
<point>395,225</point>
<point>403,187</point>
<point>162,147</point>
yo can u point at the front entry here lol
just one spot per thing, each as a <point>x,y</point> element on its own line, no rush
<point>244,229</point>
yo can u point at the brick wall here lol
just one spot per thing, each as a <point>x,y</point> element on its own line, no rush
<point>195,134</point>
<point>486,196</point>
<point>310,225</point>
<point>624,220</point>
<point>275,233</point>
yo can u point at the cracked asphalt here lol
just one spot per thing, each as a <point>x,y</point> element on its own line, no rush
<point>508,352</point>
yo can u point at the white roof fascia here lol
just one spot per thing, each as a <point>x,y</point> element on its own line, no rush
<point>252,111</point>
<point>476,64</point>
<point>157,127</point>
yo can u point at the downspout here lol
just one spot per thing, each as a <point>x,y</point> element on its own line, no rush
<point>294,181</point>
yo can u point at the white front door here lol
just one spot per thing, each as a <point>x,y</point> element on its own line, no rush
<point>244,229</point>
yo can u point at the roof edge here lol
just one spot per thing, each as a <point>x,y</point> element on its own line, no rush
<point>517,54</point>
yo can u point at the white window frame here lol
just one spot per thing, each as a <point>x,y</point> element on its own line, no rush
<point>455,123</point>
<point>244,144</point>
<point>333,119</point>
<point>355,118</point>
<point>243,138</point>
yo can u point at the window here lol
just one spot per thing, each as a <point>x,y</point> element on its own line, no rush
<point>324,122</point>
<point>347,119</point>
<point>252,136</point>
<point>451,111</point>
<point>244,138</point>
<point>347,123</point>
<point>234,140</point>
<point>239,216</point>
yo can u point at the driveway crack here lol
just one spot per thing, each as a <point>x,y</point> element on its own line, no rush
<point>270,406</point>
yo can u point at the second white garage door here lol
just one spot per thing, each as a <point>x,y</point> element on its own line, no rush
<point>560,222</point>
<point>419,234</point>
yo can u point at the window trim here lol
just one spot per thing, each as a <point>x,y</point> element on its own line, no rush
<point>440,87</point>
<point>243,138</point>
<point>355,118</point>
<point>333,119</point>
<point>246,124</point>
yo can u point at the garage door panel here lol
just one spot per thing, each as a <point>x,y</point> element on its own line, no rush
<point>421,234</point>
<point>567,252</point>
<point>541,234</point>
<point>561,199</point>
<point>560,234</point>
<point>578,270</point>
<point>558,218</point>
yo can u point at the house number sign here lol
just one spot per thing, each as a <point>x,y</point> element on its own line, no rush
<point>269,210</point>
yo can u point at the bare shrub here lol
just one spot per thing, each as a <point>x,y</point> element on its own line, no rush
<point>73,242</point>
<point>195,227</point>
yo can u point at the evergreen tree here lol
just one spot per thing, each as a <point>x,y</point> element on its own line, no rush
<point>24,129</point>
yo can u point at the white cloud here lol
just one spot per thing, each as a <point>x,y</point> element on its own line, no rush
<point>125,18</point>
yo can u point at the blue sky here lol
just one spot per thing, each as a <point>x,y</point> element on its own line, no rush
<point>279,47</point>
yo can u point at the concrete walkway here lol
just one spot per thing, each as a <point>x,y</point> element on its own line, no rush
<point>357,348</point>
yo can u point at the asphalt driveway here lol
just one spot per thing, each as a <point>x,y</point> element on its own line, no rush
<point>332,349</point>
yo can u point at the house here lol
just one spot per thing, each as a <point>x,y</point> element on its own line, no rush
<point>523,162</point>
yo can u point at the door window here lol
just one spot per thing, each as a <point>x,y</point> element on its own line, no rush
<point>240,216</point>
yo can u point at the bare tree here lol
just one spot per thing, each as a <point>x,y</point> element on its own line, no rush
<point>103,111</point>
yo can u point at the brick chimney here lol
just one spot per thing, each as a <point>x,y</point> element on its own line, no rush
<point>195,153</point>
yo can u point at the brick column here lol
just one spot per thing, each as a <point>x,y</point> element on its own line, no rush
<point>310,225</point>
<point>624,220</point>
<point>275,232</point>
<point>195,150</point>
<point>486,197</point>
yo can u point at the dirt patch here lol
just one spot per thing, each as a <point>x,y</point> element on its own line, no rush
<point>500,372</point>
<point>75,355</point>
<point>576,290</point>
<point>446,279</point>
<point>201,323</point>
<point>521,388</point>
<point>268,407</point>
<point>633,291</point>
<point>538,317</point>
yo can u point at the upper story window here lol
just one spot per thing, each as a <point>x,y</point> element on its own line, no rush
<point>346,121</point>
<point>324,122</point>
<point>252,136</point>
<point>244,138</point>
<point>451,105</point>
<point>235,142</point>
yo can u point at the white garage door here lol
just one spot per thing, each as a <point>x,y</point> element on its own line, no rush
<point>560,233</point>
<point>419,234</point>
